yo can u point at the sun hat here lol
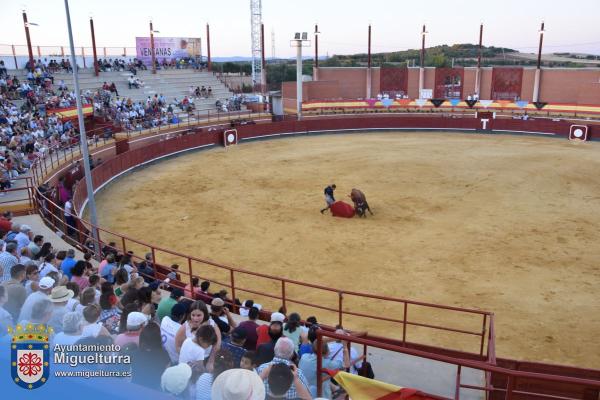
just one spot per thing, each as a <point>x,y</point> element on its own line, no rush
<point>46,282</point>
<point>175,379</point>
<point>277,317</point>
<point>135,320</point>
<point>235,384</point>
<point>217,302</point>
<point>60,294</point>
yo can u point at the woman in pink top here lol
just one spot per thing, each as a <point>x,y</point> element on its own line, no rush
<point>78,275</point>
<point>191,290</point>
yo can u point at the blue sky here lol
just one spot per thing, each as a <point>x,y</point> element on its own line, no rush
<point>571,26</point>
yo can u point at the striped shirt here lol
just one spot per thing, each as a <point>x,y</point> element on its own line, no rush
<point>7,261</point>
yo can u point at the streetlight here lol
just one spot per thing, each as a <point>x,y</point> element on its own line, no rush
<point>83,138</point>
<point>536,81</point>
<point>152,32</point>
<point>422,64</point>
<point>300,40</point>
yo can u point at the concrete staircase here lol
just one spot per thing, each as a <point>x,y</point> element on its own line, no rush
<point>172,83</point>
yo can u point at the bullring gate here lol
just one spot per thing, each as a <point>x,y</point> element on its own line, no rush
<point>230,137</point>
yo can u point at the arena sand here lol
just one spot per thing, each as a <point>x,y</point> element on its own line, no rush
<point>507,224</point>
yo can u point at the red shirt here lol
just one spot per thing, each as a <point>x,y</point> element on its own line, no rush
<point>5,225</point>
<point>263,335</point>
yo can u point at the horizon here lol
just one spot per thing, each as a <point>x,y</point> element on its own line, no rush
<point>568,29</point>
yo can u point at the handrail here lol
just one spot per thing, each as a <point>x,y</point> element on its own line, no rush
<point>478,365</point>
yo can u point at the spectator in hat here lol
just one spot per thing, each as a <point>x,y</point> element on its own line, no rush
<point>59,296</point>
<point>135,322</point>
<point>266,351</point>
<point>68,263</point>
<point>175,379</point>
<point>15,291</point>
<point>263,330</point>
<point>8,259</point>
<point>235,344</point>
<point>221,316</point>
<point>150,360</point>
<point>250,327</point>
<point>223,362</point>
<point>169,327</point>
<point>23,238</point>
<point>45,288</point>
<point>71,329</point>
<point>167,303</point>
<point>284,352</point>
<point>238,383</point>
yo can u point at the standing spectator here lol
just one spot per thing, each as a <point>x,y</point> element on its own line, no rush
<point>8,259</point>
<point>15,291</point>
<point>169,327</point>
<point>284,351</point>
<point>150,360</point>
<point>68,263</point>
<point>235,345</point>
<point>167,303</point>
<point>69,216</point>
<point>250,327</point>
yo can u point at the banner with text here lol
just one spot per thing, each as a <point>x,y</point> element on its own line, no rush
<point>168,48</point>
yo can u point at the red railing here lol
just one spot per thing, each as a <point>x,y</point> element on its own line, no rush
<point>519,384</point>
<point>21,198</point>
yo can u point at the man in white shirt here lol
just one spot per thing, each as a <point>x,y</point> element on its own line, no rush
<point>46,284</point>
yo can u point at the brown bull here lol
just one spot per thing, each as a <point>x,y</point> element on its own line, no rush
<point>360,203</point>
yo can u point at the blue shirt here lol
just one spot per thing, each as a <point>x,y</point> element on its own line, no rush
<point>66,266</point>
<point>329,192</point>
<point>308,365</point>
<point>236,351</point>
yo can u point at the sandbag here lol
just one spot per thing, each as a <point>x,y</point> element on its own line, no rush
<point>341,209</point>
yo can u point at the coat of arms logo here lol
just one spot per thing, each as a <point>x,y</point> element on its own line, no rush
<point>30,355</point>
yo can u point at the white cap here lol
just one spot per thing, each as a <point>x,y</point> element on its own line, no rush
<point>277,316</point>
<point>175,379</point>
<point>135,320</point>
<point>46,283</point>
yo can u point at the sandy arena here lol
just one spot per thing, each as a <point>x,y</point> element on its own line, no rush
<point>507,224</point>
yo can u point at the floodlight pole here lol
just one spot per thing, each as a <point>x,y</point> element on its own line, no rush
<point>538,70</point>
<point>263,67</point>
<point>422,63</point>
<point>299,79</point>
<point>478,72</point>
<point>208,63</point>
<point>316,63</point>
<point>83,138</point>
<point>369,66</point>
<point>29,49</point>
<point>152,48</point>
<point>96,69</point>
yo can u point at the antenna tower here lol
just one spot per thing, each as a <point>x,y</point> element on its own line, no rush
<point>255,23</point>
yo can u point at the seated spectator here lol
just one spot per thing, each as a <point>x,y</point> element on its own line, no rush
<point>250,327</point>
<point>71,329</point>
<point>92,325</point>
<point>263,330</point>
<point>23,238</point>
<point>59,297</point>
<point>284,352</point>
<point>222,316</point>
<point>150,360</point>
<point>235,345</point>
<point>337,354</point>
<point>15,291</point>
<point>108,270</point>
<point>6,318</point>
<point>135,322</point>
<point>32,278</point>
<point>146,268</point>
<point>68,263</point>
<point>8,258</point>
<point>308,365</point>
<point>223,362</point>
<point>193,289</point>
<point>284,381</point>
<point>247,305</point>
<point>266,351</point>
<point>45,288</point>
<point>238,383</point>
<point>41,312</point>
<point>78,276</point>
<point>110,315</point>
<point>197,316</point>
<point>249,361</point>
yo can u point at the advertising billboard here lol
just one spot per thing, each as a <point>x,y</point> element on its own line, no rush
<point>167,48</point>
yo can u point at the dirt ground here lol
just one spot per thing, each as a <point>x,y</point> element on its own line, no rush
<point>507,224</point>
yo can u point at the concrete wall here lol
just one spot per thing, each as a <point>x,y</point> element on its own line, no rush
<point>575,86</point>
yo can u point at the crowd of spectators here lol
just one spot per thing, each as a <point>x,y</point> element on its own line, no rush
<point>182,341</point>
